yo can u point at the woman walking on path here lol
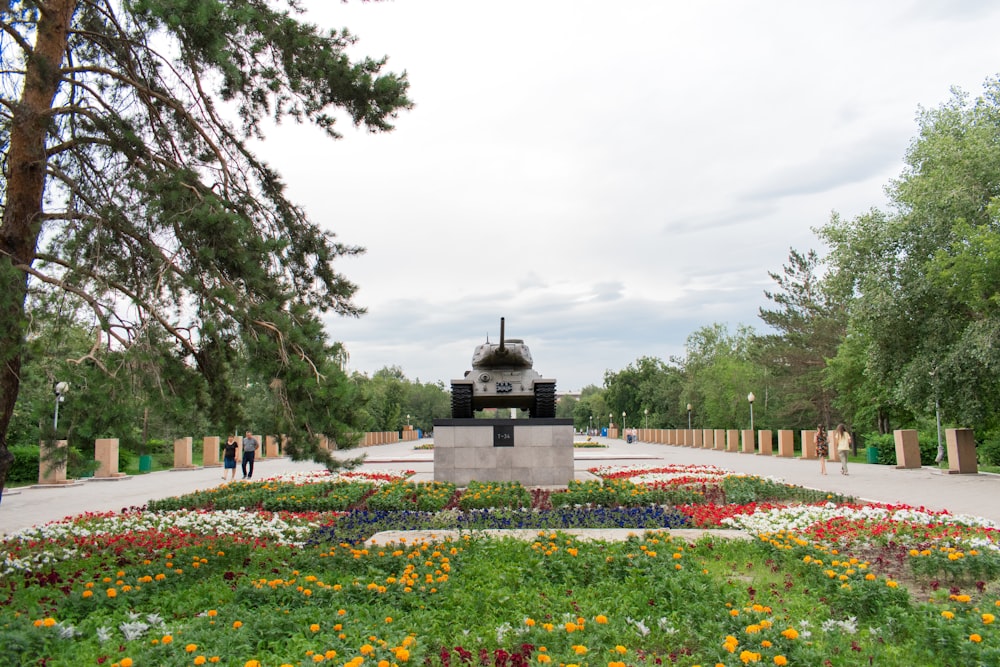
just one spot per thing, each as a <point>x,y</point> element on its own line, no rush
<point>229,459</point>
<point>842,441</point>
<point>822,447</point>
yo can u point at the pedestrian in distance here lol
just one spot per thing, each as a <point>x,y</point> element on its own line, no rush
<point>250,446</point>
<point>842,441</point>
<point>822,447</point>
<point>229,459</point>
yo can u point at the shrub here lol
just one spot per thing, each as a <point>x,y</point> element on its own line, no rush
<point>24,469</point>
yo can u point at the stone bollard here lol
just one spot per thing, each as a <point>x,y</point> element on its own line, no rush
<point>720,439</point>
<point>697,438</point>
<point>961,451</point>
<point>210,451</point>
<point>271,447</point>
<point>749,444</point>
<point>106,454</point>
<point>809,444</point>
<point>708,438</point>
<point>52,462</point>
<point>183,457</point>
<point>732,440</point>
<point>766,445</point>
<point>907,448</point>
<point>786,443</point>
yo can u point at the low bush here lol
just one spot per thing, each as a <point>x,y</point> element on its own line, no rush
<point>24,469</point>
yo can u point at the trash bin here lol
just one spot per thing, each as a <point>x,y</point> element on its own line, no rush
<point>145,463</point>
<point>872,454</point>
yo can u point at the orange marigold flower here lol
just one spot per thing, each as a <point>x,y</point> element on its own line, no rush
<point>780,660</point>
<point>975,638</point>
<point>191,648</point>
<point>237,624</point>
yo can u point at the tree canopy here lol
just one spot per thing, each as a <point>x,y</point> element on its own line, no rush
<point>128,184</point>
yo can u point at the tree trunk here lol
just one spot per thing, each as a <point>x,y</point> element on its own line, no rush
<point>21,224</point>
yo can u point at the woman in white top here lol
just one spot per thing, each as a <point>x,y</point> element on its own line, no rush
<point>841,439</point>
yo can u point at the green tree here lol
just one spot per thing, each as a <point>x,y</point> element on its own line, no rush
<point>925,274</point>
<point>809,324</point>
<point>125,185</point>
<point>719,372</point>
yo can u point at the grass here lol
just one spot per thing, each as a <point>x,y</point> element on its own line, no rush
<point>268,574</point>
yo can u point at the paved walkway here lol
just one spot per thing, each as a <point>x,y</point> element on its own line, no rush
<point>978,495</point>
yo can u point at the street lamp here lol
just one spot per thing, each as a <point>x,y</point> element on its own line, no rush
<point>623,420</point>
<point>689,416</point>
<point>645,413</point>
<point>407,420</point>
<point>60,389</point>
<point>590,427</point>
<point>750,398</point>
<point>611,417</point>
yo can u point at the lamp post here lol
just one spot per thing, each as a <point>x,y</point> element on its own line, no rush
<point>590,425</point>
<point>407,420</point>
<point>60,389</point>
<point>750,398</point>
<point>645,413</point>
<point>689,416</point>
<point>623,421</point>
<point>611,417</point>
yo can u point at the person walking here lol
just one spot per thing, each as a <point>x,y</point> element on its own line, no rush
<point>229,459</point>
<point>250,446</point>
<point>822,447</point>
<point>842,441</point>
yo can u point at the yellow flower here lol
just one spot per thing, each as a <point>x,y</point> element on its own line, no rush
<point>621,649</point>
<point>166,639</point>
<point>780,660</point>
<point>975,638</point>
<point>191,648</point>
<point>200,660</point>
<point>601,619</point>
<point>252,663</point>
<point>790,633</point>
<point>579,649</point>
<point>111,592</point>
<point>988,618</point>
<point>314,627</point>
<point>125,662</point>
<point>88,594</point>
<point>237,624</point>
<point>544,658</point>
<point>947,614</point>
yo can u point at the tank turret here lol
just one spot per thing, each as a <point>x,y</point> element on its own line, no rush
<point>502,377</point>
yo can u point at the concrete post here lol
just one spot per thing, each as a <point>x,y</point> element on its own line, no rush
<point>183,457</point>
<point>907,448</point>
<point>809,444</point>
<point>961,451</point>
<point>708,438</point>
<point>749,444</point>
<point>106,454</point>
<point>720,439</point>
<point>52,462</point>
<point>786,443</point>
<point>697,438</point>
<point>732,440</point>
<point>766,445</point>
<point>271,447</point>
<point>210,451</point>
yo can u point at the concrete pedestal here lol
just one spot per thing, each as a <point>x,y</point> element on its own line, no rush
<point>732,440</point>
<point>106,454</point>
<point>52,462</point>
<point>961,451</point>
<point>766,445</point>
<point>183,455</point>
<point>907,448</point>
<point>534,452</point>
<point>720,439</point>
<point>270,447</point>
<point>786,443</point>
<point>747,438</point>
<point>809,444</point>
<point>210,451</point>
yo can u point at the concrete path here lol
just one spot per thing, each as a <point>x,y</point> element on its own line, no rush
<point>978,495</point>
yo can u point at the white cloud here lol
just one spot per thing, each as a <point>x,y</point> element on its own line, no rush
<point>611,177</point>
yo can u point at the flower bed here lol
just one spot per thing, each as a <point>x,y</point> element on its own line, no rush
<point>826,583</point>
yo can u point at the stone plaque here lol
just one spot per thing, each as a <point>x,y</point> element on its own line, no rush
<point>503,435</point>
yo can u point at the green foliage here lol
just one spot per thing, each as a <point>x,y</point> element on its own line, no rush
<point>24,469</point>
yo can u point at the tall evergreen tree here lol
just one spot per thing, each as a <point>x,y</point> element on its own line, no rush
<point>125,184</point>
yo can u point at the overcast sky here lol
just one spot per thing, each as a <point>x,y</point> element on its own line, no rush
<point>612,176</point>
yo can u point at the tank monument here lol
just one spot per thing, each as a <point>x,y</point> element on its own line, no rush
<point>536,451</point>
